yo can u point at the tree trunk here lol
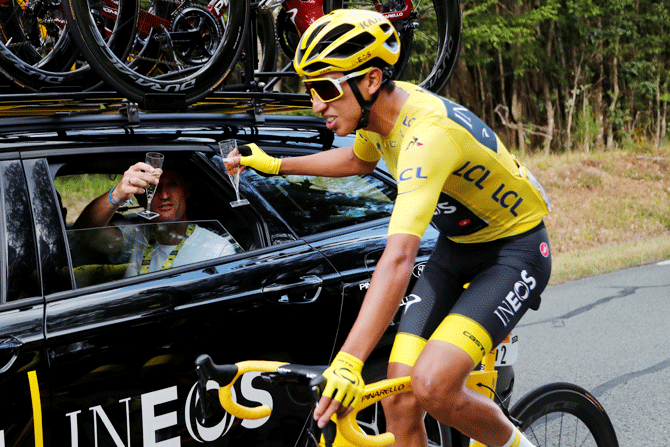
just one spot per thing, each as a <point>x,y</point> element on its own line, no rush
<point>598,110</point>
<point>614,81</point>
<point>573,104</point>
<point>548,104</point>
<point>517,115</point>
<point>657,133</point>
<point>586,142</point>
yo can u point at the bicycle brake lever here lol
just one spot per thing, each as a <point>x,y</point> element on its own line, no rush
<point>200,363</point>
<point>329,433</point>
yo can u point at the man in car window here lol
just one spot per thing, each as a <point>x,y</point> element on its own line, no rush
<point>168,240</point>
<point>453,171</point>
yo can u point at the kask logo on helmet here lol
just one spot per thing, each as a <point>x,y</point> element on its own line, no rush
<point>367,23</point>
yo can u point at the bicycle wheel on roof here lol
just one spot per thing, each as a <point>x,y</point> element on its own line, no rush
<point>181,49</point>
<point>36,50</point>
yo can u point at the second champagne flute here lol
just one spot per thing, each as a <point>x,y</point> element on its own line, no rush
<point>225,147</point>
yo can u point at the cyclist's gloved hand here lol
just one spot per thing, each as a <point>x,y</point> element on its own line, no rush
<point>254,157</point>
<point>343,381</point>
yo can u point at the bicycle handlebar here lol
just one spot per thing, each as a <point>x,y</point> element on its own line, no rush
<point>348,427</point>
<point>226,376</point>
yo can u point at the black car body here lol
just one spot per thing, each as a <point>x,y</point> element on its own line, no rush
<point>90,358</point>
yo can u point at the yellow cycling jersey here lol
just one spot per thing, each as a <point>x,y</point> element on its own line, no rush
<point>451,168</point>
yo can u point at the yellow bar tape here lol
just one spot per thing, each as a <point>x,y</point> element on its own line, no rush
<point>37,408</point>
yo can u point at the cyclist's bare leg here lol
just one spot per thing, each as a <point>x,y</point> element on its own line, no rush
<point>438,383</point>
<point>404,416</point>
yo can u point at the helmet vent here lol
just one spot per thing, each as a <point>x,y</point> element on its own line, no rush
<point>314,67</point>
<point>331,37</point>
<point>392,43</point>
<point>313,34</point>
<point>353,46</point>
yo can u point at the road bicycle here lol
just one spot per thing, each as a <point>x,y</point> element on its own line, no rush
<point>558,414</point>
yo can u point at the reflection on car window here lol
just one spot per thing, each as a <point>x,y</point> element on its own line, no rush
<point>315,204</point>
<point>21,269</point>
<point>105,254</point>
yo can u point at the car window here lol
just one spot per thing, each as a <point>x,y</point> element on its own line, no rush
<point>315,204</point>
<point>129,249</point>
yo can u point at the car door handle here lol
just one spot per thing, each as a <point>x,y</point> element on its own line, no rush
<point>295,293</point>
<point>9,352</point>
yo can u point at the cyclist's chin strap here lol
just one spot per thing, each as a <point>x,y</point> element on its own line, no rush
<point>366,105</point>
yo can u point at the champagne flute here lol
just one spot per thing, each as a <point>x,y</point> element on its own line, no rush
<point>225,147</point>
<point>155,160</point>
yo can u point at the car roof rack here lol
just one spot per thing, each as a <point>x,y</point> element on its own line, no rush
<point>79,116</point>
<point>58,103</point>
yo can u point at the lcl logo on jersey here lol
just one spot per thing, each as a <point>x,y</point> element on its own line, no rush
<point>411,173</point>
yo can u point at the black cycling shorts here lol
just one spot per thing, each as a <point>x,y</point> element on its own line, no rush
<point>505,279</point>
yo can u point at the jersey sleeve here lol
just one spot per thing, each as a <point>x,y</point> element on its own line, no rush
<point>364,148</point>
<point>427,158</point>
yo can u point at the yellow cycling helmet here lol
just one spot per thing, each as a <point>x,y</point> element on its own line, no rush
<point>344,40</point>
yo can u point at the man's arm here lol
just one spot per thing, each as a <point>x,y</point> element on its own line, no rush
<point>387,288</point>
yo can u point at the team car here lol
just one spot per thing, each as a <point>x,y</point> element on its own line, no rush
<point>91,356</point>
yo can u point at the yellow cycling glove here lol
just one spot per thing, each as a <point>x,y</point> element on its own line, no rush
<point>254,157</point>
<point>344,381</point>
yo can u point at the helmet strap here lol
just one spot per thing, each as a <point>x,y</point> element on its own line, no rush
<point>366,105</point>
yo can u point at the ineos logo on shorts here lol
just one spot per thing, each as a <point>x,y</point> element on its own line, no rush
<point>512,302</point>
<point>409,300</point>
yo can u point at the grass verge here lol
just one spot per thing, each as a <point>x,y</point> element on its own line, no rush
<point>610,209</point>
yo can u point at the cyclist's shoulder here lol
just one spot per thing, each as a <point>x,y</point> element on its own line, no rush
<point>427,111</point>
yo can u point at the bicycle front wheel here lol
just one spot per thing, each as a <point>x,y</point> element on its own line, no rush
<point>430,37</point>
<point>564,415</point>
<point>182,49</point>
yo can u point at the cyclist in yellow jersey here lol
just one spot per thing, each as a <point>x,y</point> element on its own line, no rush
<point>452,170</point>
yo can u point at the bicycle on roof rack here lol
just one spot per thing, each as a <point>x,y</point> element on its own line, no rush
<point>558,414</point>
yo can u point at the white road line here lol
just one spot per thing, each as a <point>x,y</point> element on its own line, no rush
<point>664,262</point>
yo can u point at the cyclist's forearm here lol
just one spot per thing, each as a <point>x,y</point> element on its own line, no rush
<point>387,288</point>
<point>339,162</point>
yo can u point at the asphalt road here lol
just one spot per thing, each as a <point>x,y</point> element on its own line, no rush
<point>610,335</point>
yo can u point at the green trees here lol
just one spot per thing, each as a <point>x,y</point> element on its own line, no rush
<point>567,74</point>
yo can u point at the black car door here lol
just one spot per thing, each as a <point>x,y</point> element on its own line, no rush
<point>122,353</point>
<point>23,368</point>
